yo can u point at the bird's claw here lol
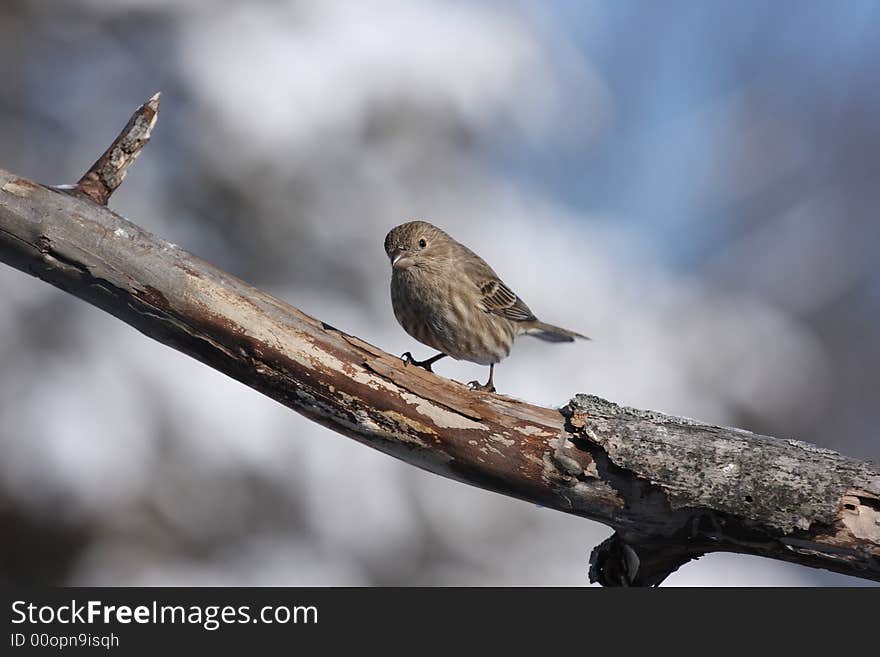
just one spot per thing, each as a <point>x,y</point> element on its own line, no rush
<point>408,359</point>
<point>485,387</point>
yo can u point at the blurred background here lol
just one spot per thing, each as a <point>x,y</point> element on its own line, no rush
<point>693,184</point>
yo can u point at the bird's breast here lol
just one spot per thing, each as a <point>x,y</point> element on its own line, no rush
<point>443,312</point>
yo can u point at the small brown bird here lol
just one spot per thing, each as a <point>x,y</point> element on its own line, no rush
<point>447,297</point>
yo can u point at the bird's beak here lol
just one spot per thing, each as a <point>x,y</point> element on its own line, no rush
<point>399,259</point>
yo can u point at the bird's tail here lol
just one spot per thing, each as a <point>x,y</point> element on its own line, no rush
<point>552,333</point>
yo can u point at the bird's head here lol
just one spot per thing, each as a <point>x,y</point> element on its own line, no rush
<point>415,244</point>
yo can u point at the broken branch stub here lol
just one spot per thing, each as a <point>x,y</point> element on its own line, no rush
<point>108,172</point>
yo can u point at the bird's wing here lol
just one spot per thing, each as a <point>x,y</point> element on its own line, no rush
<point>493,295</point>
<point>499,299</point>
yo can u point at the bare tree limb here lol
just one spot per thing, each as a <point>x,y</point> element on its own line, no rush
<point>672,489</point>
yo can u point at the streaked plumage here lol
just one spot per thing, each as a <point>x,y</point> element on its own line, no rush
<point>447,297</point>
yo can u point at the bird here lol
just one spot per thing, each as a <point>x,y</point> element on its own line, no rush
<point>447,297</point>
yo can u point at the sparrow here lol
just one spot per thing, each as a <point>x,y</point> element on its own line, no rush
<point>447,297</point>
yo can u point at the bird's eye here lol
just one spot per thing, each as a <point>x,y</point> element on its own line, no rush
<point>422,244</point>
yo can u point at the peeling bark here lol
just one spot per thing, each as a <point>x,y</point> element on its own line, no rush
<point>703,488</point>
<point>672,489</point>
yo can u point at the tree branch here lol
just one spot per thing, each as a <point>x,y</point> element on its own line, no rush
<point>673,489</point>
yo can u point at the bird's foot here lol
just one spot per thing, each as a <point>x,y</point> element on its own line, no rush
<point>485,387</point>
<point>424,364</point>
